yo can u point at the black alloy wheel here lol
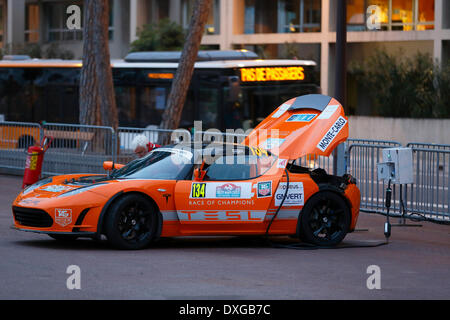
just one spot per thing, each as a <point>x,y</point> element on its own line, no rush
<point>131,223</point>
<point>325,219</point>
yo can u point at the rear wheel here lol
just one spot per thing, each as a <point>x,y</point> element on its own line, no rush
<point>325,219</point>
<point>131,223</point>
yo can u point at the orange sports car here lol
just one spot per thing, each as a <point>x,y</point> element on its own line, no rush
<point>198,188</point>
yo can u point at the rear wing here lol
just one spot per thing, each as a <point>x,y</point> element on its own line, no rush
<point>312,124</point>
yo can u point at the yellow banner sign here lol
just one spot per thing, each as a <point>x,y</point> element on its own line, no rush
<point>160,76</point>
<point>272,74</point>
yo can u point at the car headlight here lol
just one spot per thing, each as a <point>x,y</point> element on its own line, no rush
<point>36,185</point>
<point>79,190</point>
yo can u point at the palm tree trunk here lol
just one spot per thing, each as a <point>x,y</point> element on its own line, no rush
<point>172,114</point>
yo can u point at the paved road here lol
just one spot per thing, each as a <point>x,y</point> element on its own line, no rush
<point>415,265</point>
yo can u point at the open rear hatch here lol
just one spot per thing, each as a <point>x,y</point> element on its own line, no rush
<point>312,124</point>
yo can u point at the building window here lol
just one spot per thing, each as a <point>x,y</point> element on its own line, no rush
<point>425,15</point>
<point>32,23</point>
<point>56,17</point>
<point>160,9</point>
<point>212,24</point>
<point>397,15</point>
<point>2,21</point>
<point>292,16</point>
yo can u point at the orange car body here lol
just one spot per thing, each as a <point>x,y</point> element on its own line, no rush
<point>194,207</point>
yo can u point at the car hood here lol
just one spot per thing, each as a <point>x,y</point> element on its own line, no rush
<point>307,125</point>
<point>55,186</point>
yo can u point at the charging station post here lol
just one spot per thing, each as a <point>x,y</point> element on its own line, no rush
<point>396,168</point>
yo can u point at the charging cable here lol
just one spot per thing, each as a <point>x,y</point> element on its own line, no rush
<point>387,224</point>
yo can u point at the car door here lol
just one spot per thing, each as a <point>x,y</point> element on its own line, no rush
<point>238,203</point>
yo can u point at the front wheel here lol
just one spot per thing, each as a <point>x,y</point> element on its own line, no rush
<point>325,219</point>
<point>131,222</point>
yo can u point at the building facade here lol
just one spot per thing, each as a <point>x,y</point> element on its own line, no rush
<point>303,29</point>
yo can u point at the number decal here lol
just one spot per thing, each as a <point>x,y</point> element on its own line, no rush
<point>198,190</point>
<point>258,152</point>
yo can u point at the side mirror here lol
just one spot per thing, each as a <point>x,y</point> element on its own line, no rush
<point>110,165</point>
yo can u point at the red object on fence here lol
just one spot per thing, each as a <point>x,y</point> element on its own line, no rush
<point>35,158</point>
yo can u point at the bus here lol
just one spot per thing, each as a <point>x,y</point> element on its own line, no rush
<point>229,89</point>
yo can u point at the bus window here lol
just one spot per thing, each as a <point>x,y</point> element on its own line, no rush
<point>208,107</point>
<point>57,95</point>
<point>152,103</point>
<point>18,96</point>
<point>261,100</point>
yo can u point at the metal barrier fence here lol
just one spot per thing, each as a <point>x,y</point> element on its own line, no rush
<point>429,196</point>
<point>15,138</point>
<point>77,148</point>
<point>362,158</point>
<point>125,136</point>
<point>83,148</point>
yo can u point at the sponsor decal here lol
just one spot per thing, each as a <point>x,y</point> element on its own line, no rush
<point>57,188</point>
<point>331,134</point>
<point>282,109</point>
<point>294,197</point>
<point>63,217</point>
<point>328,112</point>
<point>221,190</point>
<point>282,163</point>
<point>198,190</point>
<point>264,189</point>
<point>228,190</point>
<point>227,216</point>
<point>258,152</point>
<point>272,143</point>
<point>29,201</point>
<point>301,117</point>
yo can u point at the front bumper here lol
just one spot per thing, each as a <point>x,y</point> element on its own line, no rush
<point>79,233</point>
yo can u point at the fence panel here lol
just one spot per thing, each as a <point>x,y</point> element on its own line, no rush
<point>15,138</point>
<point>78,148</point>
<point>429,196</point>
<point>125,136</point>
<point>362,159</point>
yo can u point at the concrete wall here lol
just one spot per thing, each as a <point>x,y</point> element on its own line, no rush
<point>401,130</point>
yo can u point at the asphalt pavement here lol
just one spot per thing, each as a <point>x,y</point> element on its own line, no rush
<point>414,265</point>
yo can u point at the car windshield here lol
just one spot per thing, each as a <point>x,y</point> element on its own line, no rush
<point>160,164</point>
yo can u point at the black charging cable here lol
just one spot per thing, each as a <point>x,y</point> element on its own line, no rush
<point>281,204</point>
<point>387,224</point>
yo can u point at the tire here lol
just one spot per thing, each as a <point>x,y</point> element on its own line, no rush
<point>131,222</point>
<point>325,219</point>
<point>64,237</point>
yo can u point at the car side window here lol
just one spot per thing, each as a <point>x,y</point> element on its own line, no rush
<point>237,167</point>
